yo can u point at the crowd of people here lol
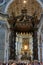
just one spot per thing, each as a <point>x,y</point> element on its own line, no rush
<point>35,62</point>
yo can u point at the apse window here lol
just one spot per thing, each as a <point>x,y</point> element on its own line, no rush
<point>25,47</point>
